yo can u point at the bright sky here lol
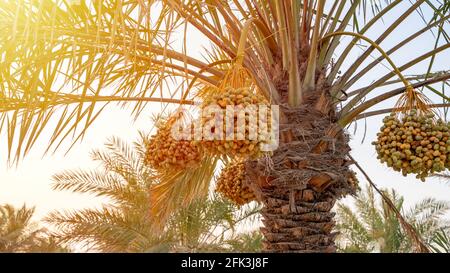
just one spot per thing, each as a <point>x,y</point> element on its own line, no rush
<point>31,181</point>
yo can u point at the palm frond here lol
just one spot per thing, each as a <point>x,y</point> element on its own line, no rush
<point>96,183</point>
<point>441,242</point>
<point>354,234</point>
<point>110,229</point>
<point>180,188</point>
<point>69,57</point>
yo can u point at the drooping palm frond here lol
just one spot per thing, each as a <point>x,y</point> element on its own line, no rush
<point>79,57</point>
<point>181,188</point>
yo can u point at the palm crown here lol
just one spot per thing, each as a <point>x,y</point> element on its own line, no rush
<point>46,45</point>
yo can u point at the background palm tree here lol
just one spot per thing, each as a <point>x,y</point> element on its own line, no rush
<point>123,223</point>
<point>65,61</point>
<point>18,233</point>
<point>368,225</point>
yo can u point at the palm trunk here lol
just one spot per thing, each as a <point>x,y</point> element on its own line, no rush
<point>307,227</point>
<point>301,181</point>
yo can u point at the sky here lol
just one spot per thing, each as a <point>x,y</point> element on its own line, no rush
<point>30,181</point>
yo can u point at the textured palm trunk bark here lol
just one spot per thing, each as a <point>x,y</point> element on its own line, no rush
<point>300,183</point>
<point>307,227</point>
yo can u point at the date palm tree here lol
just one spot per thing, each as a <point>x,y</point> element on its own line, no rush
<point>369,225</point>
<point>123,222</point>
<point>18,233</point>
<point>63,62</point>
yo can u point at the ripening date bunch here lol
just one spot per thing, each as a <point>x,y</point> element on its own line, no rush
<point>230,184</point>
<point>415,144</point>
<point>166,153</point>
<point>241,144</point>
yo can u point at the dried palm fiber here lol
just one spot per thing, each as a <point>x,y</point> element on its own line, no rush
<point>299,186</point>
<point>294,163</point>
<point>166,153</point>
<point>236,89</point>
<point>230,183</point>
<point>353,180</point>
<point>412,140</point>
